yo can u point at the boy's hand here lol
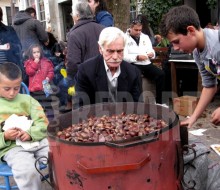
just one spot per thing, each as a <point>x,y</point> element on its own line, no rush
<point>188,122</point>
<point>215,117</point>
<point>23,136</point>
<point>11,134</point>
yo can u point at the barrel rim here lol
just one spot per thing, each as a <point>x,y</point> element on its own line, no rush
<point>173,124</point>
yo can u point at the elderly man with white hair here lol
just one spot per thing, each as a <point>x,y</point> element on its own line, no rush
<point>82,38</point>
<point>106,77</point>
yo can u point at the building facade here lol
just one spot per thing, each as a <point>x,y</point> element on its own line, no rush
<point>8,8</point>
<point>54,14</point>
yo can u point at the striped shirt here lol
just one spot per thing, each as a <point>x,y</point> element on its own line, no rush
<point>3,58</point>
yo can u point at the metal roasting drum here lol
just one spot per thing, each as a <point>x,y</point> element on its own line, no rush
<point>152,161</point>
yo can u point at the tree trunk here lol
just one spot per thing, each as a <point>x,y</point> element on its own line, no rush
<point>120,9</point>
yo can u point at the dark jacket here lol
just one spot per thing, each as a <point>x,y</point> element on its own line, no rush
<point>30,31</point>
<point>82,44</point>
<point>92,83</point>
<point>8,35</point>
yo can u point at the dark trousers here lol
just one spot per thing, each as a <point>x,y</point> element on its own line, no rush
<point>50,104</point>
<point>155,74</point>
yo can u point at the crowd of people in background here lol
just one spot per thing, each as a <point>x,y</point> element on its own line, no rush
<point>90,17</point>
<point>10,45</point>
<point>58,62</point>
<point>63,59</point>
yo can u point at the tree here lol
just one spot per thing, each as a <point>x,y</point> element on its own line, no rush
<point>120,9</point>
<point>154,10</point>
<point>211,4</point>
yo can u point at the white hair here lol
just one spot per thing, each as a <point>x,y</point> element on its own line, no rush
<point>110,34</point>
<point>81,9</point>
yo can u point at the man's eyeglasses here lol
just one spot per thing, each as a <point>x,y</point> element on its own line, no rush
<point>136,21</point>
<point>112,51</point>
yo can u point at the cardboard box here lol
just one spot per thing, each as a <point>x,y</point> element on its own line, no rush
<point>185,105</point>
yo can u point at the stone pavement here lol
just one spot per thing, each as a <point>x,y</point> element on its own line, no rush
<point>45,185</point>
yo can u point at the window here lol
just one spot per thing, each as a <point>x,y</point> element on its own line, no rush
<point>8,14</point>
<point>40,9</point>
<point>42,16</point>
<point>31,3</point>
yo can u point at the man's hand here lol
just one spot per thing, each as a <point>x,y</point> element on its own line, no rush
<point>142,57</point>
<point>215,117</point>
<point>150,55</point>
<point>11,134</point>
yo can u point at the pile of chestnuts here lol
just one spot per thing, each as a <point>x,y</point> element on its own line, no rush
<point>111,128</point>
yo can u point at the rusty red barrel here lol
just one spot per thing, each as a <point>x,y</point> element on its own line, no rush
<point>151,162</point>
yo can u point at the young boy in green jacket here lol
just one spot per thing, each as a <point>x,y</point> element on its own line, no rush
<point>182,28</point>
<point>21,160</point>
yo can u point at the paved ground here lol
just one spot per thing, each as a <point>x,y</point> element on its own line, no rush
<point>45,185</point>
<point>212,134</point>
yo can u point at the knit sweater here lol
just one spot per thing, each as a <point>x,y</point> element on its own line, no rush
<point>22,105</point>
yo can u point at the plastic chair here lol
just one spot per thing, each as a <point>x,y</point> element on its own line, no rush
<point>5,171</point>
<point>24,89</point>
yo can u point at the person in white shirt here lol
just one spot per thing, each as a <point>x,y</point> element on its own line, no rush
<point>138,51</point>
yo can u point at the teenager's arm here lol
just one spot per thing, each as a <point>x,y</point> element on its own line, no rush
<point>205,98</point>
